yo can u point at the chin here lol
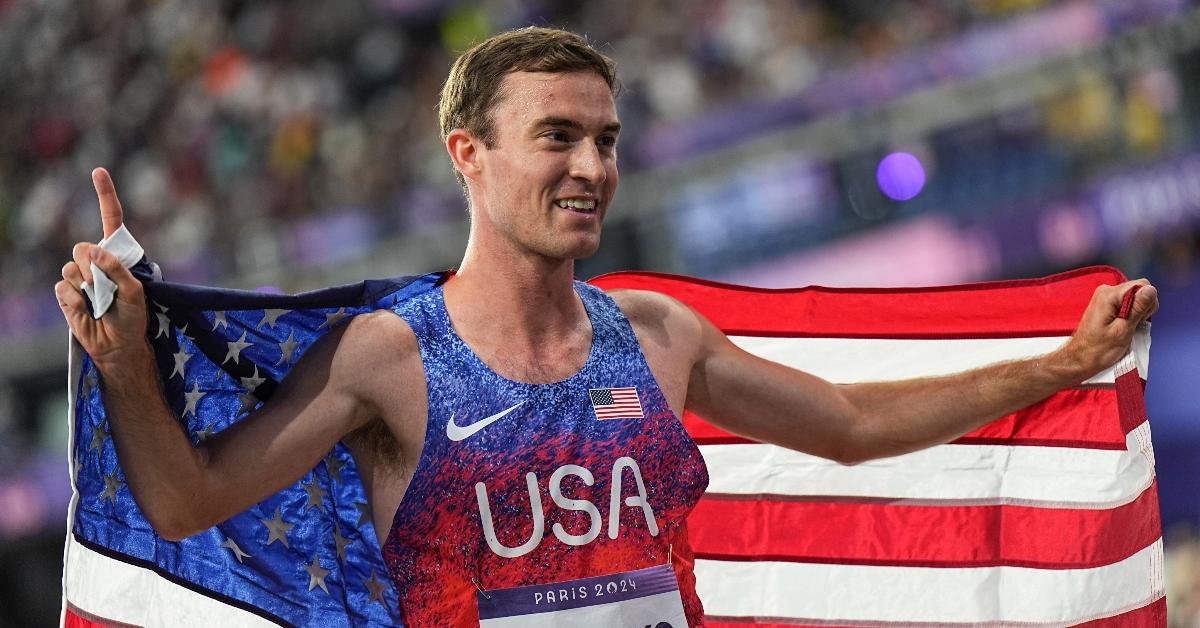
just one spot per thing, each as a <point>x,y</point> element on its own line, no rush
<point>579,249</point>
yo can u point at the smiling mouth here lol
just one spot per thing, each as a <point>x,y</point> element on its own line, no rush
<point>579,205</point>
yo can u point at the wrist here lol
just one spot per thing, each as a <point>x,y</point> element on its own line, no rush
<point>1067,367</point>
<point>134,360</point>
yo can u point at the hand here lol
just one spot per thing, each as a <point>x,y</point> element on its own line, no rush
<point>121,331</point>
<point>1102,336</point>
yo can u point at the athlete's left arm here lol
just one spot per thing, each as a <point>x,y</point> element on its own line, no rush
<point>769,402</point>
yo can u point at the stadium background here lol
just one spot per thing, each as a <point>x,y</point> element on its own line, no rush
<point>291,145</point>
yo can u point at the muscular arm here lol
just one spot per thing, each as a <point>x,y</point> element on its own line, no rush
<point>184,489</point>
<point>769,402</point>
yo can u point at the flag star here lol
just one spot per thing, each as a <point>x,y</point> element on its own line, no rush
<point>76,465</point>
<point>269,317</point>
<point>205,433</point>
<point>333,318</point>
<point>316,575</point>
<point>183,332</point>
<point>192,398</point>
<point>340,542</point>
<point>161,308</point>
<point>287,349</point>
<point>111,486</point>
<point>248,402</point>
<point>219,320</point>
<point>235,349</point>
<point>164,324</point>
<point>89,383</point>
<point>278,528</point>
<point>254,381</point>
<point>181,360</point>
<point>99,435</point>
<point>334,464</point>
<point>376,588</point>
<point>315,495</point>
<point>364,513</point>
<point>237,551</point>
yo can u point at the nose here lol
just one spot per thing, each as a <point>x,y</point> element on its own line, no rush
<point>587,164</point>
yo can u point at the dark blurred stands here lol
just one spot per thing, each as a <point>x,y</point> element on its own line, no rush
<point>294,143</point>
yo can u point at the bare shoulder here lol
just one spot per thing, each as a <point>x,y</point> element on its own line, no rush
<point>385,363</point>
<point>381,349</point>
<point>380,332</point>
<point>659,319</point>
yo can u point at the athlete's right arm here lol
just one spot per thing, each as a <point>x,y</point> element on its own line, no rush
<point>184,489</point>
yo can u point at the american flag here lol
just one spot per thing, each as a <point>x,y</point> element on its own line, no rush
<point>306,556</point>
<point>616,403</point>
<point>1045,517</point>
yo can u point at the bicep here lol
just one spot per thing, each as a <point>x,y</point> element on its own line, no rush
<point>318,403</point>
<point>753,397</point>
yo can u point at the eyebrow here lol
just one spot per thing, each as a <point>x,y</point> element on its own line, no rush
<point>612,127</point>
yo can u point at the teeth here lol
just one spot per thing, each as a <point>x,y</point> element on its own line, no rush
<point>577,203</point>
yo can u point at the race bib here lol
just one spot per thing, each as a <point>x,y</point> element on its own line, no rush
<point>645,598</point>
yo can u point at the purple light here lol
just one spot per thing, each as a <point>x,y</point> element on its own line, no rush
<point>900,176</point>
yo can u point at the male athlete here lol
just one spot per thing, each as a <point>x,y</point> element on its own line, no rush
<point>467,409</point>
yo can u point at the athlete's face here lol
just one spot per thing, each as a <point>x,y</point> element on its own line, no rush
<point>548,179</point>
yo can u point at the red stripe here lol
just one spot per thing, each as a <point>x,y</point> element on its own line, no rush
<point>1079,417</point>
<point>922,536</point>
<point>1131,401</point>
<point>1152,615</point>
<point>1050,306</point>
<point>77,618</point>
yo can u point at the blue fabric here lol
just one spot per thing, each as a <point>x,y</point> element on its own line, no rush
<point>272,580</point>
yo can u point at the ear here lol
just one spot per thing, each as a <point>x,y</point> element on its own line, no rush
<point>464,152</point>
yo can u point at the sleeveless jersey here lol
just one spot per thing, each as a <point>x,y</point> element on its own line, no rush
<point>530,484</point>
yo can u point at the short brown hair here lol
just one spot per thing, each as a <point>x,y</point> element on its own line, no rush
<point>473,86</point>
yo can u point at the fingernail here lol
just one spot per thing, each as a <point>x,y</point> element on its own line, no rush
<point>95,253</point>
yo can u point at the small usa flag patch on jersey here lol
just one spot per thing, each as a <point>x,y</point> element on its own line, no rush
<point>616,403</point>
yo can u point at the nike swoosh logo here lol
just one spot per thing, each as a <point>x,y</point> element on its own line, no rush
<point>456,432</point>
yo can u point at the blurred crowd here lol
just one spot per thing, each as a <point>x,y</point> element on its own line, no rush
<point>238,132</point>
<point>271,134</point>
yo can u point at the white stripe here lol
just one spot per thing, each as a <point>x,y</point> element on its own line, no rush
<point>984,595</point>
<point>850,360</point>
<point>74,366</point>
<point>121,592</point>
<point>1060,476</point>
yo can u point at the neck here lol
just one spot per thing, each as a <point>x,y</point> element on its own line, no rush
<point>525,299</point>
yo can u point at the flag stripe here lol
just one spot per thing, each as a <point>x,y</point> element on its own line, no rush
<point>1153,615</point>
<point>78,618</point>
<point>850,360</point>
<point>930,536</point>
<point>1049,306</point>
<point>100,586</point>
<point>1069,418</point>
<point>977,474</point>
<point>855,593</point>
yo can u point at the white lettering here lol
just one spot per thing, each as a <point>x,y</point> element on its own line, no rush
<point>614,502</point>
<point>596,522</point>
<point>581,505</point>
<point>535,509</point>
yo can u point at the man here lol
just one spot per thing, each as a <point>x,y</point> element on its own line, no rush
<point>480,398</point>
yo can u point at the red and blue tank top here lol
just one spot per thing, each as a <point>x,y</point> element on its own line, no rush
<point>544,502</point>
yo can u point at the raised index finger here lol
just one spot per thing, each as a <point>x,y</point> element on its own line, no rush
<point>110,206</point>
